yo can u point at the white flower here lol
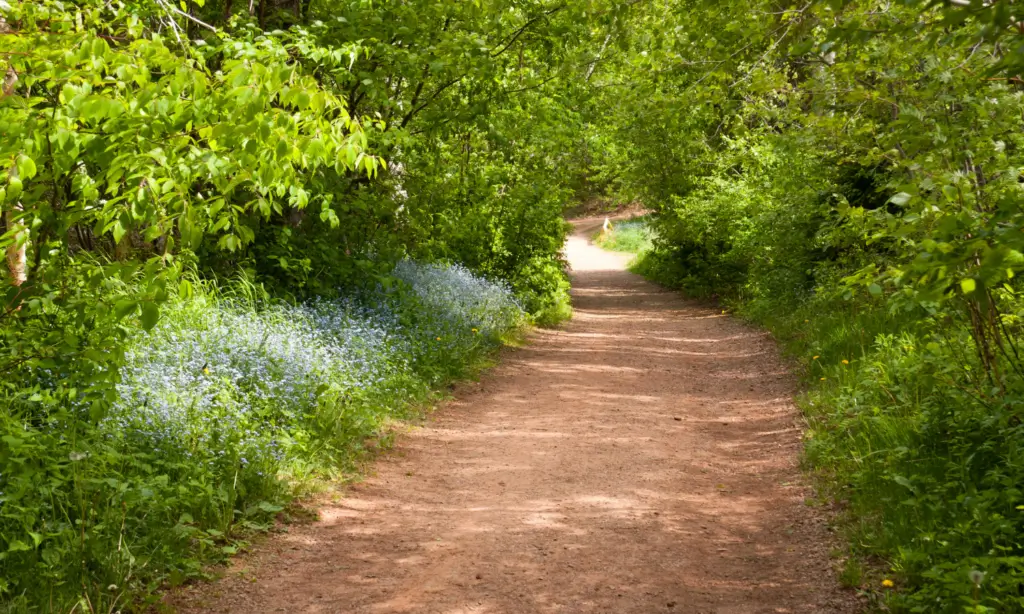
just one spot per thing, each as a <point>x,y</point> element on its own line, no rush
<point>976,576</point>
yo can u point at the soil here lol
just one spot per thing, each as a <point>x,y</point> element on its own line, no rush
<point>643,458</point>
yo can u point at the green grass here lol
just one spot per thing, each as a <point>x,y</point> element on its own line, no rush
<point>631,236</point>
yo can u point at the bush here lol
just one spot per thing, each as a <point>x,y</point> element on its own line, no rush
<point>930,462</point>
<point>544,286</point>
<point>914,396</point>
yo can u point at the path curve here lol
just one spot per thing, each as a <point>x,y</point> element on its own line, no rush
<point>641,459</point>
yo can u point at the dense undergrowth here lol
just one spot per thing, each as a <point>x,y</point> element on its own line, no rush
<point>226,409</point>
<point>848,174</point>
<point>921,447</point>
<point>920,451</point>
<point>218,222</point>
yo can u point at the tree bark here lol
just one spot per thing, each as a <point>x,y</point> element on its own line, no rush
<point>17,252</point>
<point>17,259</point>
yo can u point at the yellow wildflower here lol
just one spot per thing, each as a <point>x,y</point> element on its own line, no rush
<point>815,357</point>
<point>206,371</point>
<point>887,583</point>
<point>846,362</point>
<point>438,338</point>
<point>823,379</point>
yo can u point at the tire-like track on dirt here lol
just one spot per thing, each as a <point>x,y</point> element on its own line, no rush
<point>641,459</point>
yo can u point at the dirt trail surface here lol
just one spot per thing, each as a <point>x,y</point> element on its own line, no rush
<point>642,459</point>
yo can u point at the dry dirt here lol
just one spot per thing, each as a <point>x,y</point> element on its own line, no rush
<point>641,459</point>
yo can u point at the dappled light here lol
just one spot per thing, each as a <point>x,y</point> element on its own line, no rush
<point>639,457</point>
<point>251,248</point>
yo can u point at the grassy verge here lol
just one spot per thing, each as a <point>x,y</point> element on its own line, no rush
<point>921,451</point>
<point>631,236</point>
<point>228,409</point>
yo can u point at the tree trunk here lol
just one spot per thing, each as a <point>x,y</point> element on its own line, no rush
<point>17,260</point>
<point>123,249</point>
<point>17,253</point>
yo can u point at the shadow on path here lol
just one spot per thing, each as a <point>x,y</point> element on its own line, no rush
<point>641,459</point>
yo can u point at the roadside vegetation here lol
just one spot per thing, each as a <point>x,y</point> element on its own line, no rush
<point>848,174</point>
<point>227,408</point>
<point>240,241</point>
<point>240,238</point>
<point>632,236</point>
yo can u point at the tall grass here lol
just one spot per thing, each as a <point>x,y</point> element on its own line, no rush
<point>227,409</point>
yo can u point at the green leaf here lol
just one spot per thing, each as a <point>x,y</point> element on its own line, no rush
<point>900,199</point>
<point>119,231</point>
<point>150,315</point>
<point>26,167</point>
<point>270,508</point>
<point>904,482</point>
<point>14,188</point>
<point>124,307</point>
<point>968,285</point>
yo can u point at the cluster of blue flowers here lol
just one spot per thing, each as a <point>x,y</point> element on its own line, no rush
<point>458,297</point>
<point>221,382</point>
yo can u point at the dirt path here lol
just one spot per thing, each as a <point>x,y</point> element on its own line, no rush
<point>643,459</point>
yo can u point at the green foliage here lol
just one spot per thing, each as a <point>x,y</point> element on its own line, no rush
<point>632,236</point>
<point>848,174</point>
<point>309,149</point>
<point>543,286</point>
<point>224,410</point>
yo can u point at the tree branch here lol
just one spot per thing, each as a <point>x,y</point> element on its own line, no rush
<point>524,27</point>
<point>408,117</point>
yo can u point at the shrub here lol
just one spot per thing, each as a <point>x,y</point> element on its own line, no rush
<point>543,286</point>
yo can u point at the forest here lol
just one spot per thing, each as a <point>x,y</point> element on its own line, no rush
<point>243,239</point>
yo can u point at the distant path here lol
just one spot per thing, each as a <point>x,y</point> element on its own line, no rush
<point>643,459</point>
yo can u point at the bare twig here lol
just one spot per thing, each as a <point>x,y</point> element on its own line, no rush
<point>174,9</point>
<point>593,65</point>
<point>519,32</point>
